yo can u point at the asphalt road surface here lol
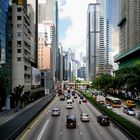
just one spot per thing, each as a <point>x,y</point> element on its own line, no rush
<point>46,127</point>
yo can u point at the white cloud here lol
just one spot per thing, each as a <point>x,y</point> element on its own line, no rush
<point>76,11</point>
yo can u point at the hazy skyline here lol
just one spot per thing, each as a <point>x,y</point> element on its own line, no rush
<point>72,24</point>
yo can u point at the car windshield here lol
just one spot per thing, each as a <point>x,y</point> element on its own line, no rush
<point>71,118</point>
<point>131,109</point>
<point>85,115</point>
<point>55,109</point>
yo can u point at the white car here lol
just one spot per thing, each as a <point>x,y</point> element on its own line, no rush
<point>55,112</point>
<point>108,106</point>
<point>69,104</point>
<point>85,117</point>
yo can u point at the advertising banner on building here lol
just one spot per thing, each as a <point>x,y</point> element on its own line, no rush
<point>36,77</point>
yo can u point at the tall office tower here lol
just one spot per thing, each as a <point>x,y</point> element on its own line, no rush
<point>33,4</point>
<point>105,37</point>
<point>3,29</point>
<point>93,37</point>
<point>46,11</point>
<point>57,41</point>
<point>50,9</point>
<point>21,47</point>
<point>45,34</point>
<point>33,42</point>
<point>61,63</point>
<point>4,74</point>
<point>129,47</point>
<point>44,54</point>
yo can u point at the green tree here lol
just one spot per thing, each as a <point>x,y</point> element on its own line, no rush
<point>129,78</point>
<point>18,95</point>
<point>103,82</point>
<point>77,81</point>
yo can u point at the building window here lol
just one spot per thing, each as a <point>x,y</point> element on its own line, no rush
<point>19,50</point>
<point>19,26</point>
<point>19,43</point>
<point>19,18</point>
<point>18,34</point>
<point>25,67</point>
<point>19,9</point>
<point>18,58</point>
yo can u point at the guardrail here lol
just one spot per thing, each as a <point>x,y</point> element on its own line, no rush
<point>11,129</point>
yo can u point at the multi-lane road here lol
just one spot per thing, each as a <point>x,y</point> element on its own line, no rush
<point>46,127</point>
<point>119,111</point>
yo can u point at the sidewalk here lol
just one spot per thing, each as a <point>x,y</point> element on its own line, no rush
<point>8,115</point>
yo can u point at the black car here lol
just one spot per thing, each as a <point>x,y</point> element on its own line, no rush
<point>62,97</point>
<point>103,120</point>
<point>71,121</point>
<point>73,93</point>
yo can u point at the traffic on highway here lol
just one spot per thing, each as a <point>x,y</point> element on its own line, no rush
<point>70,119</point>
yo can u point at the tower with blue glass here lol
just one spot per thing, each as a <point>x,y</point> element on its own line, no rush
<point>3,29</point>
<point>3,36</point>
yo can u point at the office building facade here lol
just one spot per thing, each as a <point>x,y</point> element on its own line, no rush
<point>20,38</point>
<point>46,11</point>
<point>93,38</point>
<point>4,73</point>
<point>129,32</point>
<point>3,29</point>
<point>105,38</point>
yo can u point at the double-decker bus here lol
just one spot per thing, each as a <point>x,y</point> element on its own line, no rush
<point>114,102</point>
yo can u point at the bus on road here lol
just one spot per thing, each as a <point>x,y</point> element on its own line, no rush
<point>114,102</point>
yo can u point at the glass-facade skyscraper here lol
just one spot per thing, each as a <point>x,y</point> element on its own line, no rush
<point>93,38</point>
<point>105,36</point>
<point>3,29</point>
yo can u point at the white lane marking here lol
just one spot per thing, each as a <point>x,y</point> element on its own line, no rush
<point>61,133</point>
<point>80,133</point>
<point>42,131</point>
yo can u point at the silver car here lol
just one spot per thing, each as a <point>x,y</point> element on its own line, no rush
<point>129,111</point>
<point>55,112</point>
<point>85,117</point>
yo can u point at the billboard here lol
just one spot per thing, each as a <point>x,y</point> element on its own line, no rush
<point>36,77</point>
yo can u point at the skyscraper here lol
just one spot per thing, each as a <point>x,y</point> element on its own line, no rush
<point>129,47</point>
<point>105,37</point>
<point>3,29</point>
<point>46,11</point>
<point>4,73</point>
<point>93,37</point>
<point>20,47</point>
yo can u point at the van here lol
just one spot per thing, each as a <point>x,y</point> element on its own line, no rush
<point>130,103</point>
<point>71,121</point>
<point>69,104</point>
